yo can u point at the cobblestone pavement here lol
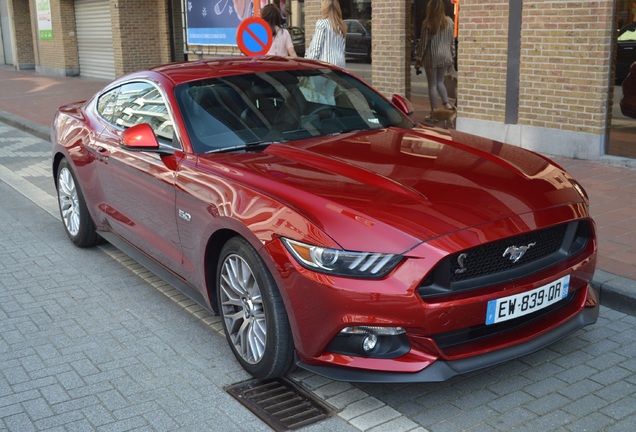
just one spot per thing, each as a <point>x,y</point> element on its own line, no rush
<point>89,340</point>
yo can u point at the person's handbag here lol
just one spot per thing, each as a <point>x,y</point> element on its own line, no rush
<point>450,81</point>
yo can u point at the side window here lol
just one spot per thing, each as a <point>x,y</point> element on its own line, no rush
<point>142,102</point>
<point>106,104</point>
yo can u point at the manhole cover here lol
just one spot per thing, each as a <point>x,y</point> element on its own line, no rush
<point>280,403</point>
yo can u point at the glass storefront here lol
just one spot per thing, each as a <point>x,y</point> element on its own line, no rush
<point>622,133</point>
<point>622,130</point>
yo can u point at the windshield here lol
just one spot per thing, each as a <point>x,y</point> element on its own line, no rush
<point>242,110</point>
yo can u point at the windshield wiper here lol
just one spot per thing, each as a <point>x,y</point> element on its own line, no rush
<point>253,146</point>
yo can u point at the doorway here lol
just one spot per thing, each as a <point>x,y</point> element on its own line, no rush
<point>622,130</point>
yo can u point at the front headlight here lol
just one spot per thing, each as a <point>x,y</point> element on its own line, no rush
<point>341,262</point>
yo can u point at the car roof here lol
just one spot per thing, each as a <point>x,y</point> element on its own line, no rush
<point>183,72</point>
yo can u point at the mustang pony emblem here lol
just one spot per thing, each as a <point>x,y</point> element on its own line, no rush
<point>516,252</point>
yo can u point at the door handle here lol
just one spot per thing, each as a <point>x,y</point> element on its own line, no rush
<point>103,152</point>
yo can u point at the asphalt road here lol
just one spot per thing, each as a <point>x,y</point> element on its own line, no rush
<point>89,340</point>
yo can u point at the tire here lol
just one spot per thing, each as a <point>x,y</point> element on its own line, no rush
<point>252,312</point>
<point>75,217</point>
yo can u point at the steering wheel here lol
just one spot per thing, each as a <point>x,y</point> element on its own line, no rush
<point>317,111</point>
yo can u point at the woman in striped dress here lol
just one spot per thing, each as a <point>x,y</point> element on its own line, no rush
<point>328,42</point>
<point>434,52</point>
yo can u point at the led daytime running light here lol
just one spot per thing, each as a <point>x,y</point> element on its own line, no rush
<point>381,331</point>
<point>341,262</point>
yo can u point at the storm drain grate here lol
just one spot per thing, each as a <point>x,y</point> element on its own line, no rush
<point>280,403</point>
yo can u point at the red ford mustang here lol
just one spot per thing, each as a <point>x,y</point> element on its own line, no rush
<point>325,227</point>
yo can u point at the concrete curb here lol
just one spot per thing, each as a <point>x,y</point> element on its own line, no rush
<point>616,292</point>
<point>25,125</point>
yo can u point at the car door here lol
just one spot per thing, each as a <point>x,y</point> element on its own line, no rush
<point>138,187</point>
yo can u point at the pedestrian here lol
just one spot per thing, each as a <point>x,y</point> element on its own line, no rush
<point>282,44</point>
<point>285,15</point>
<point>328,42</point>
<point>435,52</point>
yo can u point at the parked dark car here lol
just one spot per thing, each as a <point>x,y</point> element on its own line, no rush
<point>358,40</point>
<point>298,39</point>
<point>628,100</point>
<point>323,225</point>
<point>625,51</point>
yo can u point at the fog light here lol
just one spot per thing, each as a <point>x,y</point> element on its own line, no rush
<point>369,342</point>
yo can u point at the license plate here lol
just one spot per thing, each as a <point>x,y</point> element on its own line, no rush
<point>517,305</point>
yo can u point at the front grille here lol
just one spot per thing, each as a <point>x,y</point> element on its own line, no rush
<point>491,264</point>
<point>489,258</point>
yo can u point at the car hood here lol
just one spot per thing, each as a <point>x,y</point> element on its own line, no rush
<point>389,190</point>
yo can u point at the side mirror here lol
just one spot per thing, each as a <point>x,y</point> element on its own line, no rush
<point>403,104</point>
<point>141,137</point>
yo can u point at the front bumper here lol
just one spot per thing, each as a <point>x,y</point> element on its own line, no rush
<point>447,333</point>
<point>442,370</point>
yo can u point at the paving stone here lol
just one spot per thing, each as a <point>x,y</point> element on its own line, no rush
<point>375,418</point>
<point>342,400</point>
<point>585,405</point>
<point>512,419</point>
<point>616,391</point>
<point>474,399</point>
<point>510,384</point>
<point>545,386</point>
<point>361,407</point>
<point>547,404</point>
<point>19,422</point>
<point>592,422</point>
<point>400,424</point>
<point>511,400</point>
<point>577,373</point>
<point>444,426</point>
<point>37,409</point>
<point>437,414</point>
<point>621,409</point>
<point>470,418</point>
<point>553,421</point>
<point>628,424</point>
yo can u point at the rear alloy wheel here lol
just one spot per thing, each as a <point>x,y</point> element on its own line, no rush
<point>252,311</point>
<point>77,221</point>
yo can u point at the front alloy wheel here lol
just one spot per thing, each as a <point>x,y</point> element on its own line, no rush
<point>253,313</point>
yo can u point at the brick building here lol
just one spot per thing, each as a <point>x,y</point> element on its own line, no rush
<point>533,73</point>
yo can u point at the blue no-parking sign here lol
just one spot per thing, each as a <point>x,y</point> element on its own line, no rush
<point>254,36</point>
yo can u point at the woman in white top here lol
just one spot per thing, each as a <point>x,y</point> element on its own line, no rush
<point>282,44</point>
<point>434,52</point>
<point>328,42</point>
